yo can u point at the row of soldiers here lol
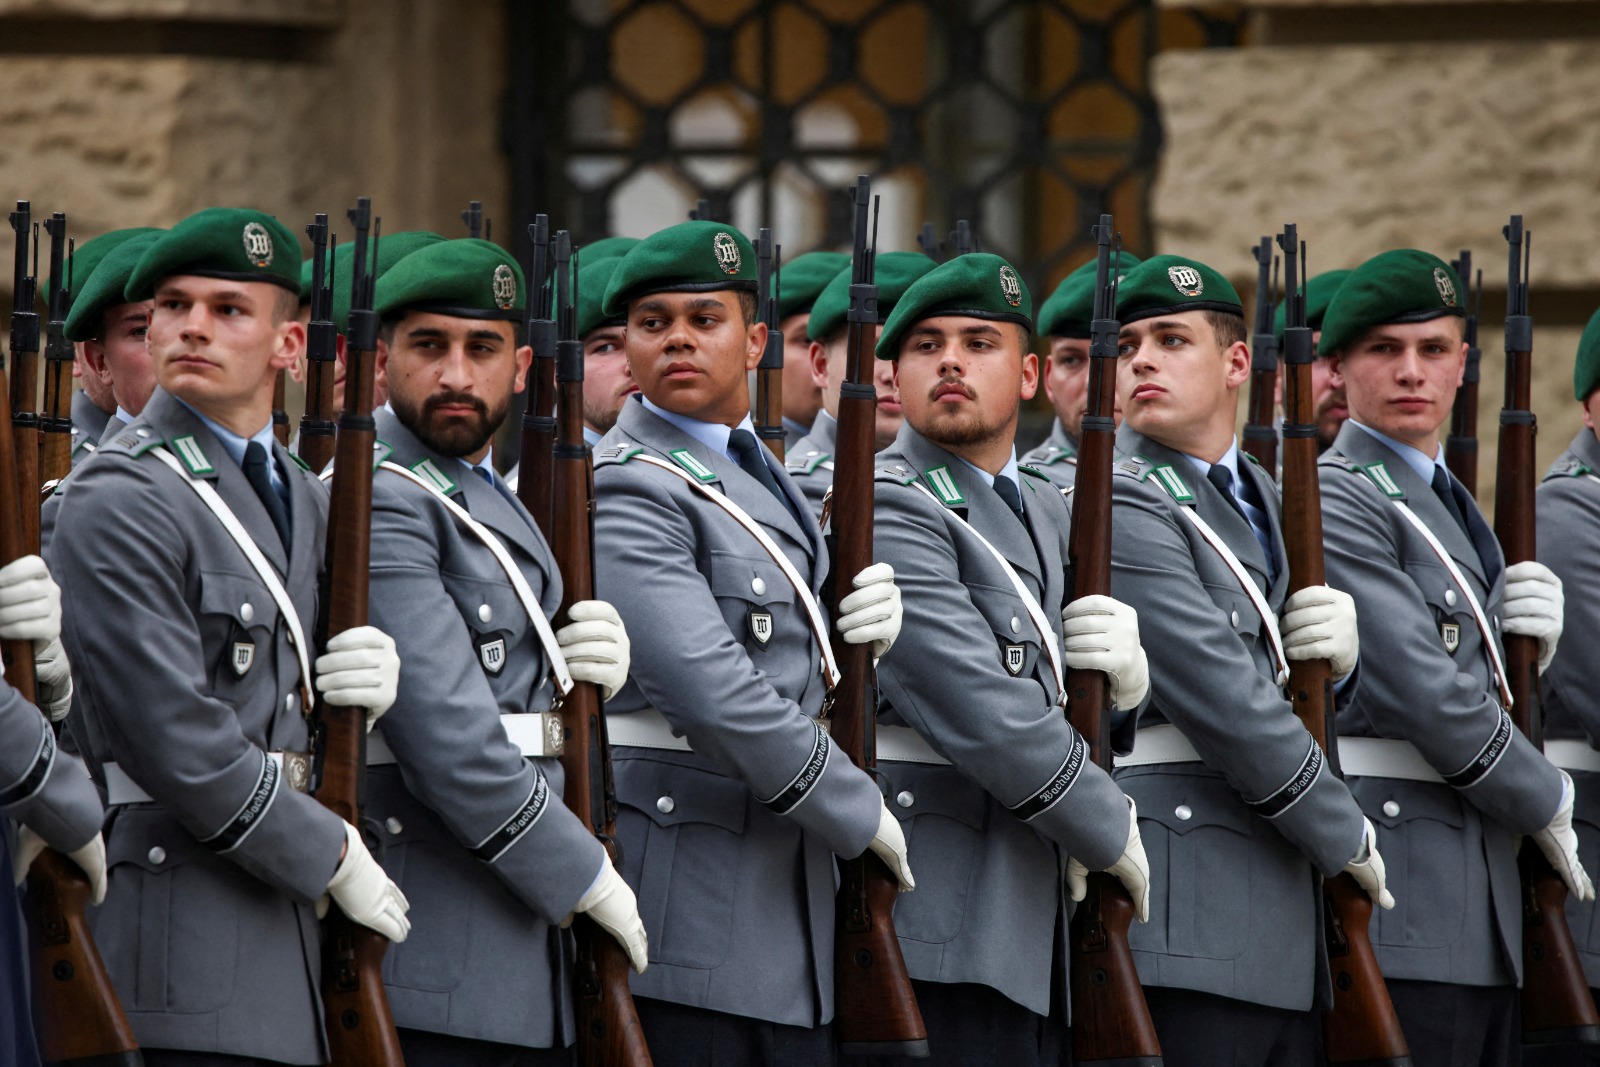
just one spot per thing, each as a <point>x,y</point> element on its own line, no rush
<point>189,663</point>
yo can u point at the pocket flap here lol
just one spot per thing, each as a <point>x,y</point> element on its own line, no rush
<point>1390,802</point>
<point>670,794</point>
<point>752,578</point>
<point>1185,802</point>
<point>914,789</point>
<point>240,597</point>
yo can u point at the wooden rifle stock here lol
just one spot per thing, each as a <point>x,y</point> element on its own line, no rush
<point>55,420</point>
<point>769,372</point>
<point>1361,1027</point>
<point>1111,1022</point>
<point>535,477</point>
<point>25,431</point>
<point>322,352</point>
<point>1557,1007</point>
<point>359,1025</point>
<point>1260,435</point>
<point>1461,446</point>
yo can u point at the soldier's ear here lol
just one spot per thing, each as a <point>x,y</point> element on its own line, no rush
<point>519,381</point>
<point>290,344</point>
<point>1336,369</point>
<point>1030,375</point>
<point>818,355</point>
<point>755,344</point>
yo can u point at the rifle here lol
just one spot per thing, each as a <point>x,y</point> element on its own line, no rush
<point>1111,1021</point>
<point>55,420</point>
<point>1461,447</point>
<point>25,432</point>
<point>701,211</point>
<point>360,1026</point>
<point>609,1032</point>
<point>322,350</point>
<point>535,477</point>
<point>473,217</point>
<point>877,1011</point>
<point>1260,436</point>
<point>931,246</point>
<point>1361,1027</point>
<point>964,240</point>
<point>769,372</point>
<point>1557,1007</point>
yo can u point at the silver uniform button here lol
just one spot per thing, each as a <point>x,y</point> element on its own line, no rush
<point>665,805</point>
<point>288,702</point>
<point>392,825</point>
<point>758,587</point>
<point>1184,812</point>
<point>485,613</point>
<point>1233,618</point>
<point>1016,625</point>
<point>158,855</point>
<point>247,611</point>
<point>1390,808</point>
<point>1450,597</point>
<point>142,432</point>
<point>905,799</point>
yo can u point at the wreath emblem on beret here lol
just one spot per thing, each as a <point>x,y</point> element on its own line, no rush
<point>257,244</point>
<point>1186,280</point>
<point>1447,288</point>
<point>727,250</point>
<point>504,287</point>
<point>1010,286</point>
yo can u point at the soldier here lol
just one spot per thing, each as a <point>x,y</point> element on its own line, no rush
<point>1328,406</point>
<point>993,779</point>
<point>202,527</point>
<point>810,459</point>
<point>462,753</point>
<point>733,802</point>
<point>46,797</point>
<point>1452,782</point>
<point>109,331</point>
<point>800,282</point>
<point>1064,324</point>
<point>1241,814</point>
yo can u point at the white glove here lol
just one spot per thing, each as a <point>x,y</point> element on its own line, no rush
<point>359,669</point>
<point>30,602</point>
<point>1132,869</point>
<point>889,845</point>
<point>1319,622</point>
<point>1102,634</point>
<point>1533,607</point>
<point>91,859</point>
<point>871,613</point>
<point>611,904</point>
<point>596,646</point>
<point>53,676</point>
<point>365,893</point>
<point>1559,843</point>
<point>1367,867</point>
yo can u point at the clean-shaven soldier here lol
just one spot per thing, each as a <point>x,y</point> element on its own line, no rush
<point>46,797</point>
<point>810,459</point>
<point>800,282</point>
<point>733,802</point>
<point>468,794</point>
<point>1434,596</point>
<point>1064,324</point>
<point>191,678</point>
<point>994,785</point>
<point>1241,816</point>
<point>1328,407</point>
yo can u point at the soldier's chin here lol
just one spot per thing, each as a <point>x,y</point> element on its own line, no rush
<point>457,438</point>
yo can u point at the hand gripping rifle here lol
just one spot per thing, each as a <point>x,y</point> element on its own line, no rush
<point>1260,435</point>
<point>1362,1027</point>
<point>609,1033</point>
<point>1111,1022</point>
<point>1557,1007</point>
<point>1461,447</point>
<point>769,372</point>
<point>55,420</point>
<point>25,435</point>
<point>877,1011</point>
<point>80,1019</point>
<point>360,1026</point>
<point>322,351</point>
<point>535,477</point>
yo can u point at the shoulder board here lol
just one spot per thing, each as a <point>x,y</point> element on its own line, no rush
<point>898,474</point>
<point>1135,467</point>
<point>429,471</point>
<point>1171,481</point>
<point>1334,458</point>
<point>620,453</point>
<point>809,462</point>
<point>1050,455</point>
<point>1025,469</point>
<point>1250,456</point>
<point>298,462</point>
<point>1379,475</point>
<point>1568,467</point>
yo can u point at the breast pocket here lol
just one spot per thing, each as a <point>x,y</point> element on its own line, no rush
<point>1017,640</point>
<point>240,621</point>
<point>1452,615</point>
<point>1420,833</point>
<point>756,600</point>
<point>496,621</point>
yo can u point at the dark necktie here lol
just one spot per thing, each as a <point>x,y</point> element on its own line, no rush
<point>753,462</point>
<point>1007,490</point>
<point>1453,495</point>
<point>1444,489</point>
<point>1222,478</point>
<point>256,473</point>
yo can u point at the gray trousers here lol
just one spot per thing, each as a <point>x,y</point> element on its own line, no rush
<point>1205,1030</point>
<point>681,1036</point>
<point>425,1049</point>
<point>1460,1025</point>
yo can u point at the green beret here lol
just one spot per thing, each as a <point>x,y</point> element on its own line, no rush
<point>606,248</point>
<point>104,289</point>
<point>802,280</point>
<point>892,271</point>
<point>465,278</point>
<point>87,256</point>
<point>1586,372</point>
<point>980,285</point>
<point>392,248</point>
<point>238,244</point>
<point>593,278</point>
<point>1405,285</point>
<point>1172,285</point>
<point>306,266</point>
<point>698,256</point>
<point>1319,294</point>
<point>1070,309</point>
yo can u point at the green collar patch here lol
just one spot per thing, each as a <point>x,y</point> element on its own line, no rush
<point>1383,480</point>
<point>944,486</point>
<point>685,459</point>
<point>298,462</point>
<point>192,455</point>
<point>430,473</point>
<point>1173,483</point>
<point>1250,456</point>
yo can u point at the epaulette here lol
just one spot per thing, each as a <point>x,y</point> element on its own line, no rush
<point>1250,456</point>
<point>298,462</point>
<point>1135,467</point>
<point>807,464</point>
<point>1039,474</point>
<point>618,453</point>
<point>1052,454</point>
<point>895,472</point>
<point>1334,458</point>
<point>1568,467</point>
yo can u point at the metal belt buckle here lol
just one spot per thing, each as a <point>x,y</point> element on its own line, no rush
<point>555,732</point>
<point>297,771</point>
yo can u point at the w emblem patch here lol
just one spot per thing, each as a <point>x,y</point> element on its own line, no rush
<point>244,654</point>
<point>761,627</point>
<point>492,654</point>
<point>1016,657</point>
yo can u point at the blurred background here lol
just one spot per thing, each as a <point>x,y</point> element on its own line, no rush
<point>1201,127</point>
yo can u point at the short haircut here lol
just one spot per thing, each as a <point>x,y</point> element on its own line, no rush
<point>749,306</point>
<point>285,305</point>
<point>1229,327</point>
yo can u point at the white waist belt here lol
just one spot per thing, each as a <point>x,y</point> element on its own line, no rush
<point>536,734</point>
<point>649,729</point>
<point>1366,757</point>
<point>294,767</point>
<point>1572,755</point>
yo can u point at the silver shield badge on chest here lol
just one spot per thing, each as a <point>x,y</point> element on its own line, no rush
<point>492,654</point>
<point>244,655</point>
<point>1450,634</point>
<point>761,627</point>
<point>1016,658</point>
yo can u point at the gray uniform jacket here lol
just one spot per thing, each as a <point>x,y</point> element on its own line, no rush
<point>1451,863</point>
<point>1569,544</point>
<point>475,835</point>
<point>1239,842</point>
<point>730,847</point>
<point>1056,458</point>
<point>990,832</point>
<point>42,787</point>
<point>88,426</point>
<point>810,460</point>
<point>208,928</point>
